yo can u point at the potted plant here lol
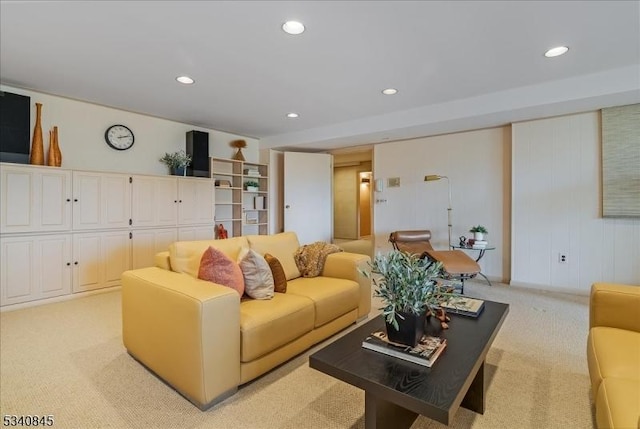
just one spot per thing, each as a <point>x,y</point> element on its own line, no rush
<point>177,162</point>
<point>251,186</point>
<point>409,289</point>
<point>478,232</point>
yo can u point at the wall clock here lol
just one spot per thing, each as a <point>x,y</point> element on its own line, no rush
<point>119,137</point>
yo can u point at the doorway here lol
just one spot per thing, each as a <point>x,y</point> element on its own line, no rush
<point>352,200</point>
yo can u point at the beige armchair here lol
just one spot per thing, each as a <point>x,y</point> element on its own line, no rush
<point>455,263</point>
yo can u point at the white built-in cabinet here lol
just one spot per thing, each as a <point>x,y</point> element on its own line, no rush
<point>35,267</point>
<point>101,200</point>
<point>35,199</point>
<point>64,231</point>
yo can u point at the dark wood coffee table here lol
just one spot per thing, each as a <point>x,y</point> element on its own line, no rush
<point>397,391</point>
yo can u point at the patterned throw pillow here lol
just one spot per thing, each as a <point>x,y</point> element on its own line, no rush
<point>217,267</point>
<point>279,278</point>
<point>258,280</point>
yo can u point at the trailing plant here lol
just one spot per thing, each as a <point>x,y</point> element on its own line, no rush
<point>406,283</point>
<point>479,228</point>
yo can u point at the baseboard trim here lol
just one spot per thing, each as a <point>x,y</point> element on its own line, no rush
<point>36,303</point>
<point>548,288</point>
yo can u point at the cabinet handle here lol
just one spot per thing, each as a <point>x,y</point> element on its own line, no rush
<point>75,263</point>
<point>175,201</point>
<point>75,200</point>
<point>179,201</point>
<point>68,264</point>
<point>68,199</point>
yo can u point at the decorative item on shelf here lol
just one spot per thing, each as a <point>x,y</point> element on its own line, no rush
<point>253,171</point>
<point>56,148</point>
<point>251,186</point>
<point>478,232</point>
<point>221,232</point>
<point>410,291</point>
<point>463,241</point>
<point>51,155</point>
<point>54,157</point>
<point>238,144</point>
<point>177,162</point>
<point>36,156</point>
<point>221,183</point>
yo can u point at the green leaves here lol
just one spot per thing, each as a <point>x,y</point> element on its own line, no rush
<point>406,283</point>
<point>176,159</point>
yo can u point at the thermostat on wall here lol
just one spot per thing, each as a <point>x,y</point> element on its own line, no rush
<point>393,182</point>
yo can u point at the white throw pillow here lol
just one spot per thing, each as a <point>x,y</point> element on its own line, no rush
<point>258,280</point>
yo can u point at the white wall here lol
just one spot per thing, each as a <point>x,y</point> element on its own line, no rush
<point>557,209</point>
<point>477,164</point>
<point>81,128</point>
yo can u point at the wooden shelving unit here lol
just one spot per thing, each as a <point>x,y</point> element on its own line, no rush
<point>241,211</point>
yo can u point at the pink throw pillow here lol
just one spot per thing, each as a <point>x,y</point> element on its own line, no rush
<point>217,267</point>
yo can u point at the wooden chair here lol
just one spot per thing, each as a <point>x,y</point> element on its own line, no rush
<point>456,264</point>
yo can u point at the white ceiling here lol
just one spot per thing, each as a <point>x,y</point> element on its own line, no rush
<point>458,65</point>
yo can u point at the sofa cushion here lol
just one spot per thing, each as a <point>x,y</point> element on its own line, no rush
<point>266,325</point>
<point>279,277</point>
<point>185,256</point>
<point>258,280</point>
<point>332,297</point>
<point>282,246</point>
<point>613,352</point>
<point>618,403</point>
<point>216,267</point>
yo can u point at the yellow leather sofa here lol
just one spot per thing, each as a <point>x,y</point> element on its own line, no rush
<point>204,341</point>
<point>613,354</point>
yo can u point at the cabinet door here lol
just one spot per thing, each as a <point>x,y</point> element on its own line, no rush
<point>34,199</point>
<point>54,200</point>
<point>116,194</point>
<point>166,201</point>
<point>101,200</point>
<point>154,201</point>
<point>146,243</point>
<point>99,259</point>
<point>196,201</point>
<point>34,267</point>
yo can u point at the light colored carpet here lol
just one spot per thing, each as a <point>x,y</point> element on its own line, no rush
<point>67,359</point>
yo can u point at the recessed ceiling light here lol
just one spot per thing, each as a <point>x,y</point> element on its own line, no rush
<point>293,27</point>
<point>292,115</point>
<point>554,52</point>
<point>185,79</point>
<point>389,91</point>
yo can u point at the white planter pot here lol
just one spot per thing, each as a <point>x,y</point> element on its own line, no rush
<point>478,236</point>
<point>252,189</point>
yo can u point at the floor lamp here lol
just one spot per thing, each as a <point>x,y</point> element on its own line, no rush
<point>433,177</point>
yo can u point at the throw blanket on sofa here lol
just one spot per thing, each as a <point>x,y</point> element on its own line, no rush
<point>310,258</point>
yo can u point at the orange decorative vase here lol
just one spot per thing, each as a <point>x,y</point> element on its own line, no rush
<point>51,156</point>
<point>56,148</point>
<point>37,148</point>
<point>54,157</point>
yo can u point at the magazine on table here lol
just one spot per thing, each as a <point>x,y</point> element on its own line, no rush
<point>464,305</point>
<point>424,353</point>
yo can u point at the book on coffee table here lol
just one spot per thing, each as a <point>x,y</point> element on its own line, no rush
<point>464,305</point>
<point>424,353</point>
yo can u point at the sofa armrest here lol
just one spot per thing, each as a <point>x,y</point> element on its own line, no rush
<point>345,265</point>
<point>161,260</point>
<point>185,330</point>
<point>615,306</point>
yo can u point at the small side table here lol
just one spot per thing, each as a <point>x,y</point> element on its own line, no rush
<point>480,255</point>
